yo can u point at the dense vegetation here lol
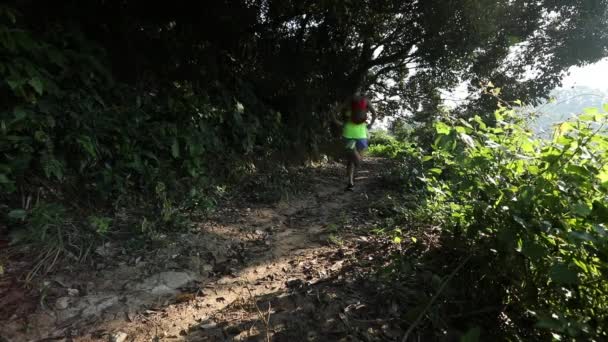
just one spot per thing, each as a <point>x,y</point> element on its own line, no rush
<point>130,117</point>
<point>531,214</point>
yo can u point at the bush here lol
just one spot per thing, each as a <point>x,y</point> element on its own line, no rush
<point>378,137</point>
<point>119,156</point>
<point>382,144</point>
<point>538,205</point>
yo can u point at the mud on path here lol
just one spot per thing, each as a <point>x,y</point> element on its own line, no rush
<point>251,272</point>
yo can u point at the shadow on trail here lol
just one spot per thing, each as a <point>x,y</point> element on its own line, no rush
<point>291,243</point>
<point>374,289</point>
<point>340,307</point>
<point>378,294</point>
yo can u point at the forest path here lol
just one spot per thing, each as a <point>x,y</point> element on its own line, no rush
<point>250,272</point>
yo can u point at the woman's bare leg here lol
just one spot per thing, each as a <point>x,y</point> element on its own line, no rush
<point>350,167</point>
<point>357,157</point>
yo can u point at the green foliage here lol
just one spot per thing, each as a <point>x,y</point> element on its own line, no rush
<point>401,130</point>
<point>539,204</point>
<point>100,224</point>
<point>379,137</point>
<point>407,154</point>
<point>121,158</point>
<point>389,149</point>
<point>46,222</point>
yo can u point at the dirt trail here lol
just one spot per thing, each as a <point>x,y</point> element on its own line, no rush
<point>216,282</point>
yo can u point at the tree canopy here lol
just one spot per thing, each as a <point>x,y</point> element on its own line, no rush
<point>300,56</point>
<point>238,76</point>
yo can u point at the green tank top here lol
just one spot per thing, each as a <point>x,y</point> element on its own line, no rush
<point>352,130</point>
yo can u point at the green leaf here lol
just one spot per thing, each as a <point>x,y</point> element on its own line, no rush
<point>600,211</point>
<point>519,220</point>
<point>578,170</point>
<point>442,128</point>
<point>435,171</point>
<point>175,148</point>
<point>460,129</point>
<point>517,102</point>
<point>498,114</point>
<point>591,111</point>
<point>472,335</point>
<point>564,127</point>
<point>581,209</point>
<point>414,240</point>
<point>150,155</point>
<point>397,239</point>
<point>581,265</point>
<point>520,244</point>
<point>533,250</point>
<point>52,167</point>
<point>563,140</point>
<point>527,146</point>
<point>549,323</point>
<point>36,83</point>
<point>533,169</point>
<point>586,117</point>
<point>603,178</point>
<point>87,144</point>
<point>17,214</point>
<point>562,274</point>
<point>19,113</point>
<point>14,84</point>
<point>605,106</point>
<point>482,125</point>
<point>581,236</point>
